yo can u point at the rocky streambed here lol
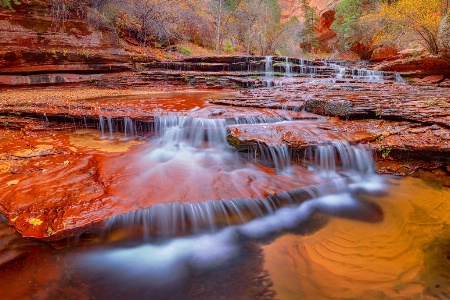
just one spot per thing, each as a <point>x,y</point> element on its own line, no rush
<point>68,153</point>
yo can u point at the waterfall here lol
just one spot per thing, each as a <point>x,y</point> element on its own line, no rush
<point>369,76</point>
<point>399,79</point>
<point>341,72</point>
<point>178,219</point>
<point>328,159</point>
<point>101,123</point>
<point>46,120</point>
<point>288,71</point>
<point>110,126</point>
<point>129,127</point>
<point>268,73</point>
<point>279,155</point>
<point>195,132</point>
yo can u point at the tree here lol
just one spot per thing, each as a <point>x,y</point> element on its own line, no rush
<point>255,25</point>
<point>346,23</point>
<point>310,22</point>
<point>8,4</point>
<point>415,18</point>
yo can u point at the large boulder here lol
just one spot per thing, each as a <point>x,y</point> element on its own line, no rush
<point>444,38</point>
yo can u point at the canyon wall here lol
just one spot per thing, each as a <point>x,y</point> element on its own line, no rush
<point>34,49</point>
<point>325,10</point>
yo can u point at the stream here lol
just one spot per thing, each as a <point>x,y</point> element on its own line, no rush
<point>180,214</point>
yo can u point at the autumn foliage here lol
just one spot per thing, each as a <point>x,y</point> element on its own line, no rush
<point>401,23</point>
<point>414,19</point>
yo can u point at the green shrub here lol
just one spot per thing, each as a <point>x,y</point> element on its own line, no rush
<point>185,50</point>
<point>7,4</point>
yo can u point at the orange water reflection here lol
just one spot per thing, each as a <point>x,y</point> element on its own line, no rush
<point>404,257</point>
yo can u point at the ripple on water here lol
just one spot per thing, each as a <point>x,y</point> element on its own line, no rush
<point>387,260</point>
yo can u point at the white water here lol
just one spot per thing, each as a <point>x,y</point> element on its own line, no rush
<point>288,68</point>
<point>197,148</point>
<point>369,76</point>
<point>166,265</point>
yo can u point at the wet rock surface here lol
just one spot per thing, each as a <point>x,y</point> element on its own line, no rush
<point>83,177</point>
<point>400,117</point>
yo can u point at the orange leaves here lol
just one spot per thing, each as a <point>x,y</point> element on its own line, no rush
<point>417,19</point>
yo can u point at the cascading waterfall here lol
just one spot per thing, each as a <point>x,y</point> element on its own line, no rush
<point>346,167</point>
<point>129,127</point>
<point>279,155</point>
<point>268,73</point>
<point>196,145</point>
<point>398,78</point>
<point>288,69</point>
<point>369,76</point>
<point>338,156</point>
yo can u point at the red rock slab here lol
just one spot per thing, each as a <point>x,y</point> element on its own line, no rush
<point>417,67</point>
<point>384,53</point>
<point>431,79</point>
<point>43,188</point>
<point>296,134</point>
<point>60,184</point>
<point>49,189</point>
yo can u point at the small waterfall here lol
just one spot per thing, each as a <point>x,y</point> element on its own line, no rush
<point>101,123</point>
<point>341,72</point>
<point>399,79</point>
<point>179,219</point>
<point>110,126</point>
<point>328,159</point>
<point>46,120</point>
<point>369,76</point>
<point>288,71</point>
<point>129,127</point>
<point>280,155</point>
<point>182,130</point>
<point>269,67</point>
<point>268,73</point>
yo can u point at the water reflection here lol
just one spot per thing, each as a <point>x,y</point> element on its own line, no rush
<point>392,259</point>
<point>169,269</point>
<point>225,265</point>
<point>399,254</point>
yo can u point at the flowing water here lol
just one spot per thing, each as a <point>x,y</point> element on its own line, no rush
<point>203,221</point>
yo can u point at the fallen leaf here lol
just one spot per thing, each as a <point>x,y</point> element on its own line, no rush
<point>12,182</point>
<point>34,221</point>
<point>66,162</point>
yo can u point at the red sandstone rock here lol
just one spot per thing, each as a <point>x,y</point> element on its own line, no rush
<point>432,79</point>
<point>362,50</point>
<point>417,67</point>
<point>384,53</point>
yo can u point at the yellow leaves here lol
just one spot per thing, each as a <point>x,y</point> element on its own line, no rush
<point>66,162</point>
<point>35,221</point>
<point>12,182</point>
<point>417,19</point>
<point>50,230</point>
<point>415,13</point>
